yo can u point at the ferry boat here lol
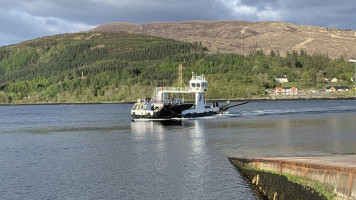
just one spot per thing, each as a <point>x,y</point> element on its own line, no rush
<point>163,106</point>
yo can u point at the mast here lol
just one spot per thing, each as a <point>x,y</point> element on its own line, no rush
<point>180,75</point>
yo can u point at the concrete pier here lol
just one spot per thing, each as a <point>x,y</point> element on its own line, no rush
<point>335,172</point>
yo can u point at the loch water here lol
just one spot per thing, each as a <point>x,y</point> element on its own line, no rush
<point>96,152</point>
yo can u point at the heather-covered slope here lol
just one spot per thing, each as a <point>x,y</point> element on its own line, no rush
<point>242,37</point>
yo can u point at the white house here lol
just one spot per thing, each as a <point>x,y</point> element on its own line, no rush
<point>281,79</point>
<point>286,91</point>
<point>334,80</point>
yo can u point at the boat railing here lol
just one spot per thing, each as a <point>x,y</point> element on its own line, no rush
<point>196,77</point>
<point>173,89</point>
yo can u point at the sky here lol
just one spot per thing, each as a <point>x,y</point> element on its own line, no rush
<point>22,20</point>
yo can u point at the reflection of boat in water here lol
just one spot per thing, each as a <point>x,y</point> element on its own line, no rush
<point>141,128</point>
<point>164,107</point>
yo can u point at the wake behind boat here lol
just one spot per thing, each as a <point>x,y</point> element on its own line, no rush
<point>162,106</point>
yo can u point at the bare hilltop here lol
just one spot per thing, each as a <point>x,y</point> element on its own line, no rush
<point>243,37</point>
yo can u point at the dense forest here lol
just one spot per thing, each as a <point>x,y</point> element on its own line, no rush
<point>116,67</point>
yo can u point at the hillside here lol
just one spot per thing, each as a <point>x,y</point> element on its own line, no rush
<point>243,37</point>
<point>121,67</point>
<point>86,67</point>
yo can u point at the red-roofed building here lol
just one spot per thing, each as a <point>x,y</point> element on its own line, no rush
<point>285,91</point>
<point>337,88</point>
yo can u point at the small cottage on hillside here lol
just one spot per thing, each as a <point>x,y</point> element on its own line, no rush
<point>332,80</point>
<point>281,79</point>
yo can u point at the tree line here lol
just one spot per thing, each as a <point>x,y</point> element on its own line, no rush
<point>93,67</point>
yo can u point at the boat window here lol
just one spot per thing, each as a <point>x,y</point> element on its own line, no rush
<point>193,84</point>
<point>134,107</point>
<point>198,84</point>
<point>146,107</point>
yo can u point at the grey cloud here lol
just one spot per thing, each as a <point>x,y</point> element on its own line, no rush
<point>96,12</point>
<point>328,13</point>
<point>51,22</point>
<point>27,19</point>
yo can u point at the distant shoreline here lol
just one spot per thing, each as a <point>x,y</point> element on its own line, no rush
<point>64,103</point>
<point>208,100</point>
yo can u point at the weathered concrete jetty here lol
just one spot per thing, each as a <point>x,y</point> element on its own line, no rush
<point>335,172</point>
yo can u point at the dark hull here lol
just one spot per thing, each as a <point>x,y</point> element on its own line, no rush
<point>168,111</point>
<point>173,111</point>
<point>204,114</point>
<point>173,115</point>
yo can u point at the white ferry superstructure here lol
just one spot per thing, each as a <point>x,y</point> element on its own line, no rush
<point>163,107</point>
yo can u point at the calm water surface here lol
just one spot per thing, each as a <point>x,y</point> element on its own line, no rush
<point>96,152</point>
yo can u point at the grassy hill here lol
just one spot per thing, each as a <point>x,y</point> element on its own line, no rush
<point>119,66</point>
